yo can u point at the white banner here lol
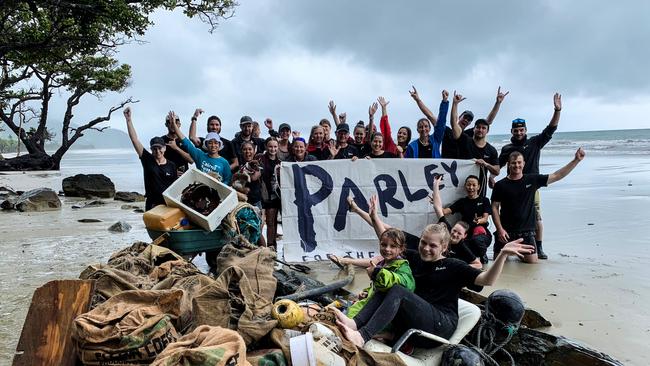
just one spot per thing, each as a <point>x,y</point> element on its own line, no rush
<point>315,216</point>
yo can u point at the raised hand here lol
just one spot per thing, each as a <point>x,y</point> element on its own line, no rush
<point>372,205</point>
<point>458,98</point>
<point>414,93</point>
<point>332,148</point>
<point>197,113</point>
<point>295,134</point>
<point>383,102</point>
<point>517,248</point>
<point>501,96</point>
<point>127,113</point>
<point>172,144</point>
<point>557,101</point>
<point>342,117</point>
<point>445,95</point>
<point>268,123</point>
<point>332,107</point>
<point>373,109</point>
<point>580,154</point>
<point>371,268</point>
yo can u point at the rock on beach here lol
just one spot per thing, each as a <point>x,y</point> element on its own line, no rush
<point>89,185</point>
<point>40,199</point>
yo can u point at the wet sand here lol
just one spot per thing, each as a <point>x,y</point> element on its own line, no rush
<point>593,288</point>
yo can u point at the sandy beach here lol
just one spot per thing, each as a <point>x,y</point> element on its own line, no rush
<point>593,288</point>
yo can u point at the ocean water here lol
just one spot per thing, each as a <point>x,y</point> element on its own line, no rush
<point>123,166</point>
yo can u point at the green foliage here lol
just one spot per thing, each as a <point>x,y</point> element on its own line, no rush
<point>49,46</point>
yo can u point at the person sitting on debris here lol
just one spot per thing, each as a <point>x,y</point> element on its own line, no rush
<point>433,307</point>
<point>210,162</point>
<point>385,270</point>
<point>474,210</point>
<point>457,246</point>
<point>159,173</point>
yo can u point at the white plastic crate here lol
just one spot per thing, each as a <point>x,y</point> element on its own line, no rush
<point>228,197</point>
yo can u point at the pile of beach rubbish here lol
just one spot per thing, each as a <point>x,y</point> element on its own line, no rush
<point>151,306</point>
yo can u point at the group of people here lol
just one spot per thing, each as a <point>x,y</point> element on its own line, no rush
<point>412,272</point>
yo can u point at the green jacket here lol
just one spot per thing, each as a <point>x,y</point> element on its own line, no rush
<point>397,272</point>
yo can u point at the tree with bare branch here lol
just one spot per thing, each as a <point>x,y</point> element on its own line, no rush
<point>67,48</point>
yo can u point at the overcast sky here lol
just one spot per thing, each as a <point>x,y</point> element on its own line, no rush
<point>287,59</point>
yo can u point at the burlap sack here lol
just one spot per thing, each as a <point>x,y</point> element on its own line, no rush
<point>110,282</point>
<point>190,285</point>
<point>230,302</point>
<point>175,268</point>
<point>205,346</point>
<point>257,264</point>
<point>130,327</point>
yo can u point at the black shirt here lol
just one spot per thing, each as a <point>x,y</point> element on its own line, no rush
<point>439,283</point>
<point>517,198</point>
<point>424,152</point>
<point>362,149</point>
<point>412,241</point>
<point>174,156</point>
<point>347,152</point>
<point>530,148</point>
<point>471,208</point>
<point>449,148</point>
<point>469,150</point>
<point>384,155</point>
<point>156,178</point>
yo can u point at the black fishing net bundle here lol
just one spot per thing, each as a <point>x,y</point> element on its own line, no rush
<point>201,198</point>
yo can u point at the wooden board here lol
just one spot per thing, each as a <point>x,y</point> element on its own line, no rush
<point>46,338</point>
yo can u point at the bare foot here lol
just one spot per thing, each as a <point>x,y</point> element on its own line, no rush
<point>340,317</point>
<point>351,335</point>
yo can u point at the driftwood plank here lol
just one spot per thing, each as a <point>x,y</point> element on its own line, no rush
<point>46,338</point>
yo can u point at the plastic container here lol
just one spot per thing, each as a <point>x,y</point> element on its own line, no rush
<point>163,218</point>
<point>228,197</point>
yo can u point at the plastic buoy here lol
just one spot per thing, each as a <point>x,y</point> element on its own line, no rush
<point>288,313</point>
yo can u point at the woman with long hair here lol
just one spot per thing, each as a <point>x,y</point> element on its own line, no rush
<point>270,164</point>
<point>317,146</point>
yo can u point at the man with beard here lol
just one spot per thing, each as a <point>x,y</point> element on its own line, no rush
<point>450,147</point>
<point>246,134</point>
<point>531,148</point>
<point>214,125</point>
<point>476,147</point>
<point>513,210</point>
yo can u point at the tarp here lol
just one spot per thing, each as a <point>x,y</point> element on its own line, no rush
<point>315,216</point>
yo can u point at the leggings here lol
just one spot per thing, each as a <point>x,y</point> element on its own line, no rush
<point>405,310</point>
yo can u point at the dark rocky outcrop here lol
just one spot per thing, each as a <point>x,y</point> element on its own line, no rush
<point>129,196</point>
<point>89,185</point>
<point>120,227</point>
<point>41,199</point>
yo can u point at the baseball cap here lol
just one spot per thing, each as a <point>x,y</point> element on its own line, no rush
<point>212,136</point>
<point>244,120</point>
<point>157,142</point>
<point>343,127</point>
<point>470,114</point>
<point>518,122</point>
<point>284,126</point>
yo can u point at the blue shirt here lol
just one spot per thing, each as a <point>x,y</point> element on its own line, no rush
<point>207,164</point>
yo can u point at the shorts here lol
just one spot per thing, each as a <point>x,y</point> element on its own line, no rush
<point>538,206</point>
<point>528,236</point>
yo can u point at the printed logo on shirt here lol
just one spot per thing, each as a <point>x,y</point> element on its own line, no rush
<point>479,204</point>
<point>440,268</point>
<point>528,185</point>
